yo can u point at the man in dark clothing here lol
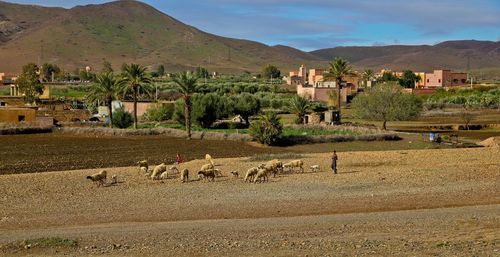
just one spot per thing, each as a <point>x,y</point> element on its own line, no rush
<point>334,162</point>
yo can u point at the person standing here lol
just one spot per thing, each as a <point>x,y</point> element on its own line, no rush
<point>334,161</point>
<point>178,159</point>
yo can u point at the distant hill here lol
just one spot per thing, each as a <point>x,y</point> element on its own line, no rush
<point>125,31</point>
<point>131,31</point>
<point>456,55</point>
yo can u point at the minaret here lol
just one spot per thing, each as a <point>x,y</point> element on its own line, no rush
<point>303,74</point>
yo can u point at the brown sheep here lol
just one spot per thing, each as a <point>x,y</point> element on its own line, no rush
<point>207,174</point>
<point>98,178</point>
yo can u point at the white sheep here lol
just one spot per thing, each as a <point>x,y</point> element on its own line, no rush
<point>185,175</point>
<point>315,168</point>
<point>98,178</point>
<point>158,170</point>
<point>174,168</point>
<point>144,171</point>
<point>251,173</point>
<point>294,164</point>
<point>261,174</point>
<point>164,175</point>
<point>143,163</point>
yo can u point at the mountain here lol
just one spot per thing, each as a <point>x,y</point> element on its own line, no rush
<point>456,55</point>
<point>131,31</point>
<point>126,31</point>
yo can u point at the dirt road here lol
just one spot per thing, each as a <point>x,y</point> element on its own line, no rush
<point>425,202</point>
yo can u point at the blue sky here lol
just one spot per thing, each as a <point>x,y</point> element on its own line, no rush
<point>315,24</point>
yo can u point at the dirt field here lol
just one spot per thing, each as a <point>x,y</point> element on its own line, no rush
<point>410,203</point>
<point>54,152</point>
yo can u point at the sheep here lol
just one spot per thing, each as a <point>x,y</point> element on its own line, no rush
<point>251,173</point>
<point>174,168</point>
<point>218,173</point>
<point>158,170</point>
<point>275,166</point>
<point>207,174</point>
<point>209,159</point>
<point>208,166</point>
<point>185,175</point>
<point>315,168</point>
<point>294,164</point>
<point>114,179</point>
<point>235,174</point>
<point>98,178</point>
<point>261,174</point>
<point>145,171</point>
<point>143,163</point>
<point>164,175</point>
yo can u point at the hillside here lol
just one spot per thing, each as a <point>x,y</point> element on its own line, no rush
<point>124,31</point>
<point>457,55</point>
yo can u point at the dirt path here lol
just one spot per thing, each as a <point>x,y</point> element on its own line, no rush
<point>354,212</point>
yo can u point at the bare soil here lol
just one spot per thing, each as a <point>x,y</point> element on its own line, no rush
<point>386,203</point>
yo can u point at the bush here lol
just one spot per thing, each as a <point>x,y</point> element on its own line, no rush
<point>122,119</point>
<point>267,129</point>
<point>160,112</point>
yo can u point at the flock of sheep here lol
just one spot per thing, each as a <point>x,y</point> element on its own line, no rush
<point>208,171</point>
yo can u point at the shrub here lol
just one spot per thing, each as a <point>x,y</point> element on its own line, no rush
<point>122,119</point>
<point>160,112</point>
<point>267,129</point>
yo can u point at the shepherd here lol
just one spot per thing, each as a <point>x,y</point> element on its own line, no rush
<point>178,159</point>
<point>334,162</point>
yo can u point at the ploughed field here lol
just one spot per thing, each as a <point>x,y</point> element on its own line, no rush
<point>443,202</point>
<point>53,152</point>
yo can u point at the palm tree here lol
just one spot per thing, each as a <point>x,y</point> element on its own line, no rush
<point>136,81</point>
<point>299,106</point>
<point>185,83</point>
<point>106,88</point>
<point>367,76</point>
<point>339,68</point>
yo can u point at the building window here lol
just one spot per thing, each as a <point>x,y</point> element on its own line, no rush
<point>439,81</point>
<point>21,118</point>
<point>464,80</point>
<point>428,80</point>
<point>2,104</point>
<point>455,81</point>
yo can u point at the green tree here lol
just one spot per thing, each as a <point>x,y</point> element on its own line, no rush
<point>246,105</point>
<point>367,75</point>
<point>201,72</point>
<point>339,68</point>
<point>408,79</point>
<point>267,129</point>
<point>121,118</point>
<point>136,82</point>
<point>387,77</point>
<point>160,112</point>
<point>106,67</point>
<point>270,72</point>
<point>208,108</point>
<point>386,103</point>
<point>29,83</point>
<point>300,107</point>
<point>106,88</point>
<point>48,70</point>
<point>185,83</point>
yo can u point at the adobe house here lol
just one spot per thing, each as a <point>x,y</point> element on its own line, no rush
<point>18,115</point>
<point>444,78</point>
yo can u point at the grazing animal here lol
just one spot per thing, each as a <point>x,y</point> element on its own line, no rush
<point>185,175</point>
<point>158,170</point>
<point>251,173</point>
<point>315,168</point>
<point>143,163</point>
<point>235,174</point>
<point>174,169</point>
<point>218,173</point>
<point>261,174</point>
<point>144,170</point>
<point>114,179</point>
<point>294,164</point>
<point>208,166</point>
<point>207,174</point>
<point>98,178</point>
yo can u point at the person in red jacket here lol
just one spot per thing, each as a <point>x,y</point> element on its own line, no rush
<point>178,159</point>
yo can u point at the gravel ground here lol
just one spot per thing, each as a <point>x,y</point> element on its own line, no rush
<point>425,202</point>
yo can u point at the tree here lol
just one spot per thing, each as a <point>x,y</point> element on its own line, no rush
<point>387,77</point>
<point>299,106</point>
<point>185,83</point>
<point>158,113</point>
<point>106,67</point>
<point>121,118</point>
<point>408,79</point>
<point>246,105</point>
<point>367,76</point>
<point>386,103</point>
<point>270,72</point>
<point>48,70</point>
<point>201,72</point>
<point>339,68</point>
<point>29,83</point>
<point>137,82</point>
<point>106,88</point>
<point>267,129</point>
<point>161,70</point>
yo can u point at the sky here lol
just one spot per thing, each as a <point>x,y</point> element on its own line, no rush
<point>317,24</point>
